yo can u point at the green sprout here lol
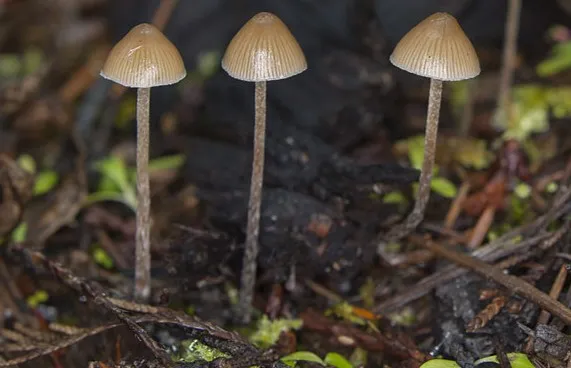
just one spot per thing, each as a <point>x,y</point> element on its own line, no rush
<point>558,61</point>
<point>37,298</point>
<point>517,360</point>
<point>102,258</point>
<point>20,233</point>
<point>331,359</point>
<point>118,182</point>
<point>268,332</point>
<point>193,351</point>
<point>439,184</point>
<point>45,180</point>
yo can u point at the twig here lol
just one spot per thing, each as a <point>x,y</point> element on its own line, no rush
<point>163,13</point>
<point>456,206</point>
<point>514,284</point>
<point>502,247</point>
<point>482,227</point>
<point>508,61</point>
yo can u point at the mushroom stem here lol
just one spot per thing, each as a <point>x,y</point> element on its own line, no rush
<point>432,117</point>
<point>143,251</point>
<point>254,206</point>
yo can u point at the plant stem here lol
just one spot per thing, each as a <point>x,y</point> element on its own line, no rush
<point>432,117</point>
<point>508,63</point>
<point>143,240</point>
<point>254,206</point>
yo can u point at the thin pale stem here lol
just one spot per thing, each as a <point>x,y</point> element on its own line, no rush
<point>432,117</point>
<point>143,238</point>
<point>508,62</point>
<point>249,264</point>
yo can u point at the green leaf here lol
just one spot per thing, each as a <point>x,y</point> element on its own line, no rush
<point>337,360</point>
<point>194,350</point>
<point>522,190</point>
<point>114,169</point>
<point>517,360</point>
<point>112,197</point>
<point>45,181</point>
<point>37,298</point>
<point>394,197</point>
<point>302,356</point>
<point>10,66</point>
<point>444,187</point>
<point>529,112</point>
<point>559,60</point>
<point>102,258</point>
<point>267,332</point>
<point>20,233</point>
<point>27,163</point>
<point>552,187</point>
<point>416,151</point>
<point>166,163</point>
<point>440,363</point>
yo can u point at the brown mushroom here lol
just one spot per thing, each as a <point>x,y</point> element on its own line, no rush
<point>436,48</point>
<point>263,50</point>
<point>144,58</point>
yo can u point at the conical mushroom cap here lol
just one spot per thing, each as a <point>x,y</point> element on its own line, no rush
<point>144,58</point>
<point>437,48</point>
<point>263,50</point>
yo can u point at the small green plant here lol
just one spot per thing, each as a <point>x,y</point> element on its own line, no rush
<point>45,180</point>
<point>193,350</point>
<point>267,331</point>
<point>517,360</point>
<point>440,363</point>
<point>118,182</point>
<point>439,184</point>
<point>560,58</point>
<point>37,298</point>
<point>331,359</point>
<point>101,257</point>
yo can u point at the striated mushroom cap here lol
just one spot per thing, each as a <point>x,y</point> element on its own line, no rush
<point>263,50</point>
<point>437,48</point>
<point>144,58</point>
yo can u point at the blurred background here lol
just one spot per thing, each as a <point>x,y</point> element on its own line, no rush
<point>342,150</point>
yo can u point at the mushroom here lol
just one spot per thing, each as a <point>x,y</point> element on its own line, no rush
<point>263,50</point>
<point>436,48</point>
<point>144,58</point>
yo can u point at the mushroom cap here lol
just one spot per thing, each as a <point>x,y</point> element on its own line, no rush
<point>263,50</point>
<point>144,58</point>
<point>437,48</point>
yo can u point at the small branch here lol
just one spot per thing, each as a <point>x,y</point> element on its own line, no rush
<point>514,284</point>
<point>508,61</point>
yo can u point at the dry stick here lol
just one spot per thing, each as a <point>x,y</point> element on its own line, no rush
<point>512,283</point>
<point>490,252</point>
<point>163,13</point>
<point>554,293</point>
<point>143,211</point>
<point>508,60</point>
<point>254,206</point>
<point>417,214</point>
<point>456,207</point>
<point>482,226</point>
